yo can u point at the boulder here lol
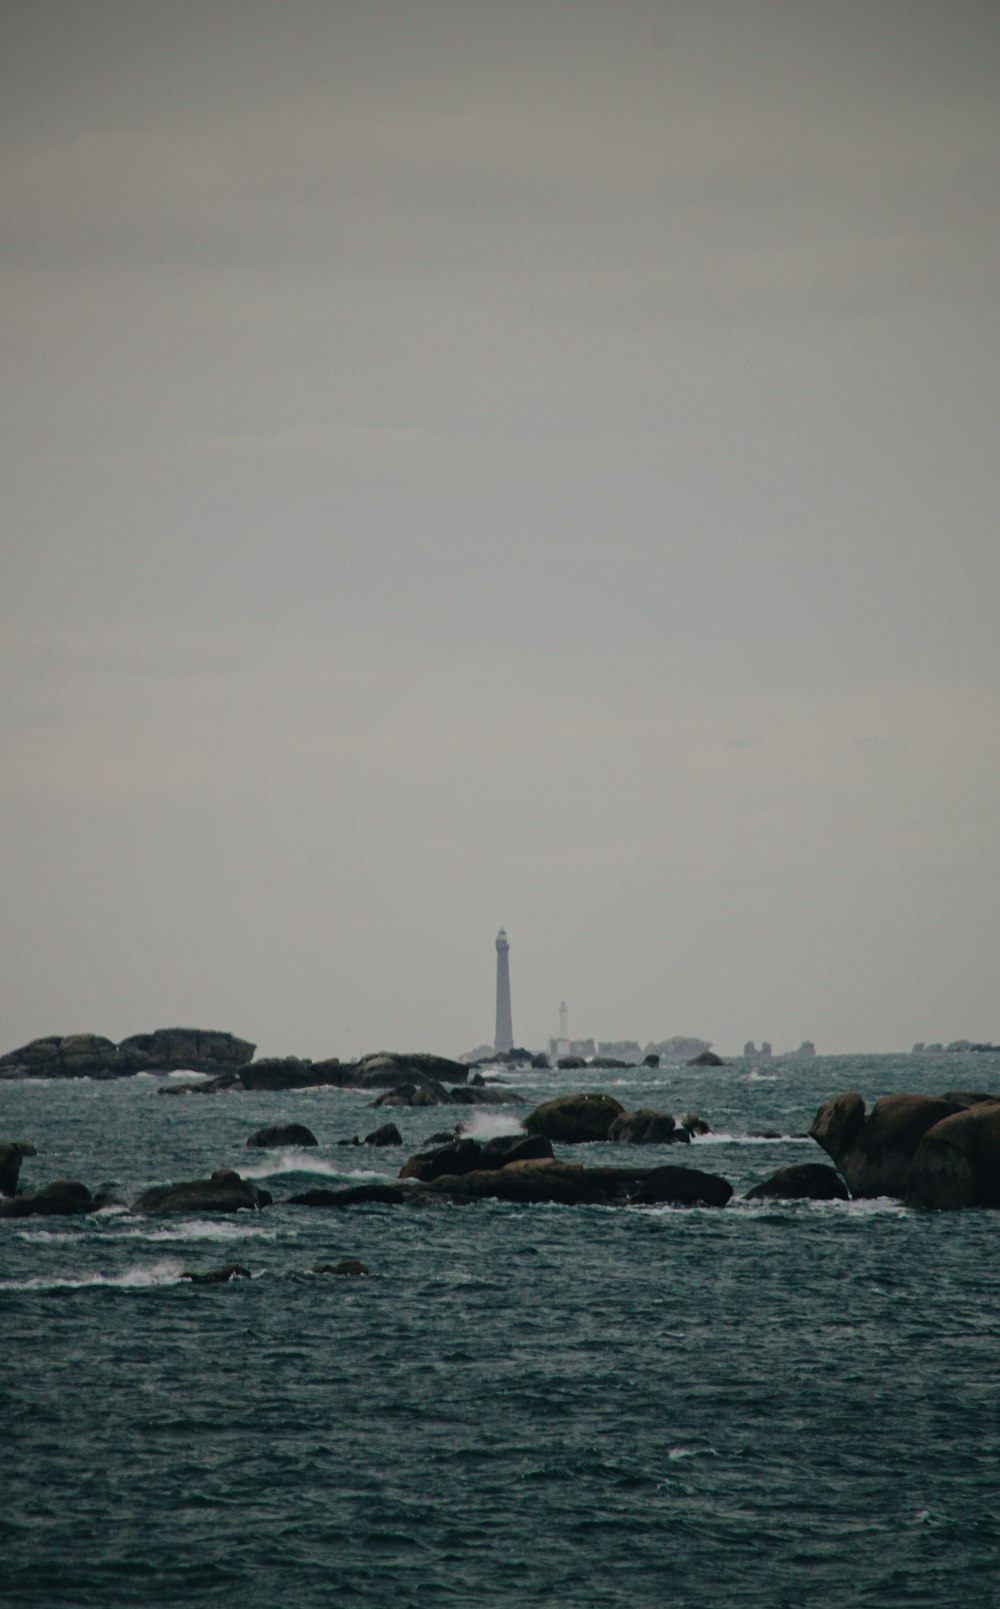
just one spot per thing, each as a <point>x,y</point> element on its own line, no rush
<point>388,1134</point>
<point>350,1268</point>
<point>282,1134</point>
<point>354,1196</point>
<point>957,1163</point>
<point>225,1191</point>
<point>804,1181</point>
<point>217,1276</point>
<point>686,1187</point>
<point>468,1156</point>
<point>62,1198</point>
<point>873,1151</point>
<point>644,1127</point>
<point>282,1072</point>
<point>707,1058</point>
<point>574,1119</point>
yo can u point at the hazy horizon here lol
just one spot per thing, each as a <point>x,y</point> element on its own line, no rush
<point>526,465</point>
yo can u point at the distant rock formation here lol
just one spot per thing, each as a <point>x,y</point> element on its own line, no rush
<point>88,1055</point>
<point>708,1058</point>
<point>678,1049</point>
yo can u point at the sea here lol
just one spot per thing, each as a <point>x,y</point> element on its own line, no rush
<point>774,1405</point>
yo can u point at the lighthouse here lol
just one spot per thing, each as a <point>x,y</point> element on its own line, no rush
<point>503,1039</point>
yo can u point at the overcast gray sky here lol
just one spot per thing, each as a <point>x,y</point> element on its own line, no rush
<point>496,463</point>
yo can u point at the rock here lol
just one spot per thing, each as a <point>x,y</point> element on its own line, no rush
<point>62,1198</point>
<point>386,1069</point>
<point>430,1093</point>
<point>644,1127</point>
<point>957,1163</point>
<point>217,1276</point>
<point>804,1181</point>
<point>351,1268</point>
<point>652,1060</point>
<point>574,1119</point>
<point>11,1157</point>
<point>282,1134</point>
<point>695,1124</point>
<point>540,1062</point>
<point>469,1156</point>
<point>282,1072</point>
<point>570,1063</point>
<point>874,1151</point>
<point>388,1134</point>
<point>707,1058</point>
<point>90,1055</point>
<point>202,1050</point>
<point>442,1137</point>
<point>682,1187</point>
<point>354,1196</point>
<point>545,1180</point>
<point>225,1191</point>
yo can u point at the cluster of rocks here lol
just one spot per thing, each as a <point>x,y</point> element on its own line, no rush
<point>92,1056</point>
<point>925,1150</point>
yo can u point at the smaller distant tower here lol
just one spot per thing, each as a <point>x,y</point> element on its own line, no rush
<point>503,1038</point>
<point>563,1031</point>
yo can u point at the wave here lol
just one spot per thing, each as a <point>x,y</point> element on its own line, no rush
<point>723,1138</point>
<point>144,1276</point>
<point>489,1125</point>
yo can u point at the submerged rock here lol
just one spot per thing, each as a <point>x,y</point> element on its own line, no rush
<point>217,1276</point>
<point>225,1191</point>
<point>543,1180</point>
<point>574,1119</point>
<point>282,1134</point>
<point>350,1268</point>
<point>803,1181</point>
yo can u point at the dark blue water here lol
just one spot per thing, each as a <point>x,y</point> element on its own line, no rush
<point>772,1405</point>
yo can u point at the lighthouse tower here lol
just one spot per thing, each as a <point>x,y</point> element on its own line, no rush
<point>503,1039</point>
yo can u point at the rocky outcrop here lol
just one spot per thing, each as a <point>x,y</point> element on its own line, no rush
<point>804,1181</point>
<point>387,1134</point>
<point>644,1127</point>
<point>385,1069</point>
<point>468,1156</point>
<point>544,1180</point>
<point>873,1150</point>
<point>62,1198</point>
<point>282,1134</point>
<point>225,1191</point>
<point>957,1163</point>
<point>574,1119</point>
<point>682,1187</point>
<point>707,1058</point>
<point>288,1072</point>
<point>428,1092</point>
<point>93,1056</point>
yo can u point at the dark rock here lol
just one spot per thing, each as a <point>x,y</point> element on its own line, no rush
<point>350,1268</point>
<point>387,1069</point>
<point>540,1062</point>
<point>282,1134</point>
<point>804,1181</point>
<point>442,1137</point>
<point>354,1196</point>
<point>469,1156</point>
<point>644,1127</point>
<point>281,1072</point>
<point>173,1049</point>
<point>225,1191</point>
<point>571,1064</point>
<point>574,1119</point>
<point>62,1198</point>
<point>695,1124</point>
<point>388,1134</point>
<point>682,1187</point>
<point>708,1058</point>
<point>11,1157</point>
<point>93,1056</point>
<point>430,1093</point>
<point>651,1060</point>
<point>874,1151</point>
<point>957,1163</point>
<point>545,1180</point>
<point>217,1276</point>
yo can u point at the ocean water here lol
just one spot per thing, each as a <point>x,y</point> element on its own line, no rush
<point>773,1405</point>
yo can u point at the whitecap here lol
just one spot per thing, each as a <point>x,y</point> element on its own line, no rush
<point>167,1271</point>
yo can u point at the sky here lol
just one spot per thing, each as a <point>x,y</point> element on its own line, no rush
<point>527,464</point>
